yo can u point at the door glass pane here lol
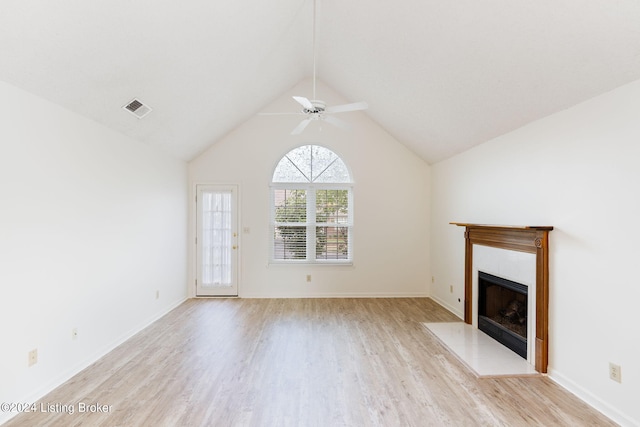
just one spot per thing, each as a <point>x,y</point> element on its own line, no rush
<point>216,239</point>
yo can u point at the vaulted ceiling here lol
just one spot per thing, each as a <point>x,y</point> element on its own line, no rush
<point>441,76</point>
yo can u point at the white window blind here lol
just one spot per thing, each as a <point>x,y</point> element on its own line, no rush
<point>290,231</point>
<point>332,224</point>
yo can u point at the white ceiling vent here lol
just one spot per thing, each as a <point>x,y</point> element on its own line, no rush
<point>137,108</point>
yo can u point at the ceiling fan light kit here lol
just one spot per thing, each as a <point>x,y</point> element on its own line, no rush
<point>316,109</point>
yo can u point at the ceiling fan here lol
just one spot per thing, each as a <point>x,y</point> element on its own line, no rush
<point>314,108</point>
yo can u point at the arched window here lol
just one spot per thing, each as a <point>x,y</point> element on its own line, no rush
<point>311,208</point>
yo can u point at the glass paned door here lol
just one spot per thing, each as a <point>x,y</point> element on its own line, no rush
<point>217,240</point>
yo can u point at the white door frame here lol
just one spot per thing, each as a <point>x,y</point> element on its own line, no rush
<point>226,289</point>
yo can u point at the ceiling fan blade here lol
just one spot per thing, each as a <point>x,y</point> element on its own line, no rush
<point>337,122</point>
<point>347,107</point>
<point>304,102</point>
<point>303,124</point>
<point>281,114</point>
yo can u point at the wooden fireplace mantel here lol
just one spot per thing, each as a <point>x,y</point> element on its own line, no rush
<point>530,239</point>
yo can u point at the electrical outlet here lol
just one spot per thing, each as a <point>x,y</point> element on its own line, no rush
<point>451,288</point>
<point>33,357</point>
<point>74,333</point>
<point>158,294</point>
<point>615,372</point>
<point>433,279</point>
<point>308,277</point>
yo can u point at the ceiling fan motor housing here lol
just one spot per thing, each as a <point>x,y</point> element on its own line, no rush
<point>318,107</point>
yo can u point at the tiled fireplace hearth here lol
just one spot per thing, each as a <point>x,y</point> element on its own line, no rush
<point>515,254</point>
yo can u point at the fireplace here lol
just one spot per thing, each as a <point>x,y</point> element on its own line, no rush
<point>525,239</point>
<point>502,311</point>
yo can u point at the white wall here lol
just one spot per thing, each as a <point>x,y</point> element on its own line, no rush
<point>92,224</point>
<point>578,171</point>
<point>391,210</point>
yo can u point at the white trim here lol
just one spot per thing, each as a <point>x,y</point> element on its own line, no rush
<point>452,309</point>
<point>193,232</point>
<point>332,262</point>
<point>593,401</point>
<point>308,185</point>
<point>289,295</point>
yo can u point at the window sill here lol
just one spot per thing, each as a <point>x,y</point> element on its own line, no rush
<point>311,263</point>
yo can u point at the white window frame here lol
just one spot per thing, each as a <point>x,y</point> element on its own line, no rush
<point>311,224</point>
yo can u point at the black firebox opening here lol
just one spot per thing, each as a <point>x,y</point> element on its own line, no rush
<point>502,311</point>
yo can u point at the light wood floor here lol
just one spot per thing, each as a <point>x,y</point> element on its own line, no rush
<point>302,362</point>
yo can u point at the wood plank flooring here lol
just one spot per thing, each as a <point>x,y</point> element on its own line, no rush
<point>302,362</point>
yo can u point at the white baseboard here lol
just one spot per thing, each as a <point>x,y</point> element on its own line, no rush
<point>593,401</point>
<point>68,374</point>
<point>448,307</point>
<point>338,295</point>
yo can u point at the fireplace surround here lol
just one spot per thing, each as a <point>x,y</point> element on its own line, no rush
<point>529,239</point>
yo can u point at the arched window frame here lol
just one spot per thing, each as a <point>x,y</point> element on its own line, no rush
<point>311,219</point>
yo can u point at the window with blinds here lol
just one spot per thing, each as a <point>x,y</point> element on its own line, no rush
<point>290,232</point>
<point>311,202</point>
